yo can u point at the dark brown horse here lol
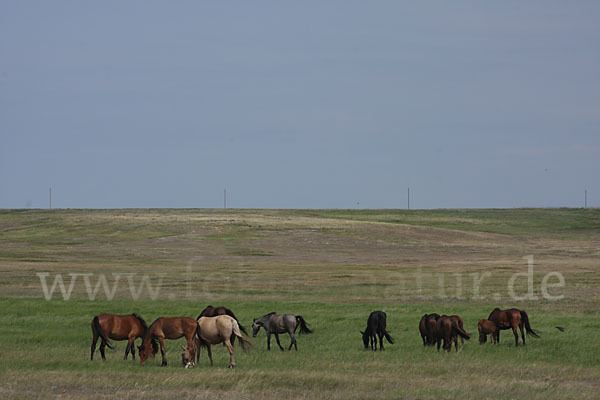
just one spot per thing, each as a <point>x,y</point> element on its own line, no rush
<point>511,319</point>
<point>448,330</point>
<point>376,327</point>
<point>211,311</point>
<point>427,327</point>
<point>168,328</point>
<point>486,327</point>
<point>117,327</point>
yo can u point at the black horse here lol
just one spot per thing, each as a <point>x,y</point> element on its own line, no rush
<point>376,326</point>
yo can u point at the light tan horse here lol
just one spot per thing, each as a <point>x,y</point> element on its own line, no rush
<point>214,330</point>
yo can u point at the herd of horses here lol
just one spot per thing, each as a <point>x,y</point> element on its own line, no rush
<point>216,325</point>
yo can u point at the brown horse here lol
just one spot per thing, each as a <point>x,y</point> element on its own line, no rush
<point>459,321</point>
<point>511,319</point>
<point>214,330</point>
<point>486,327</point>
<point>211,311</point>
<point>427,328</point>
<point>117,327</point>
<point>447,329</point>
<point>167,328</point>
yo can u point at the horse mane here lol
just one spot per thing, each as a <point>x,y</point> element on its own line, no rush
<point>204,312</point>
<point>271,313</point>
<point>141,321</point>
<point>153,340</point>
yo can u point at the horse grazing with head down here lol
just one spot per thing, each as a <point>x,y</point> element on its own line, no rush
<point>427,328</point>
<point>276,324</point>
<point>448,330</point>
<point>167,328</point>
<point>214,330</point>
<point>117,327</point>
<point>486,327</point>
<point>376,327</point>
<point>211,311</point>
<point>511,319</point>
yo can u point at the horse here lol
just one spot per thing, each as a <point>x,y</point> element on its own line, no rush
<point>276,324</point>
<point>376,326</point>
<point>214,330</point>
<point>486,327</point>
<point>447,329</point>
<point>167,328</point>
<point>459,321</point>
<point>117,327</point>
<point>511,319</point>
<point>427,327</point>
<point>211,311</point>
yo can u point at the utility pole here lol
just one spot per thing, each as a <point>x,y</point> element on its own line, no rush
<point>585,201</point>
<point>408,198</point>
<point>50,196</point>
<point>224,198</point>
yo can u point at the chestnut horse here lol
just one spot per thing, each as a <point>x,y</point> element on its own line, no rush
<point>427,328</point>
<point>486,327</point>
<point>167,328</point>
<point>214,330</point>
<point>117,327</point>
<point>211,311</point>
<point>447,329</point>
<point>511,319</point>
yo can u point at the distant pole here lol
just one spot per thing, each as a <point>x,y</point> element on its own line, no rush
<point>224,198</point>
<point>408,197</point>
<point>585,201</point>
<point>50,197</point>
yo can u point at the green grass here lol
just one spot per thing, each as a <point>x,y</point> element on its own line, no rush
<point>331,266</point>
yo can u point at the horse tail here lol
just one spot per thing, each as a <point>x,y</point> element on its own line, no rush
<point>232,315</point>
<point>302,322</point>
<point>528,328</point>
<point>388,337</point>
<point>460,331</point>
<point>98,328</point>
<point>245,343</point>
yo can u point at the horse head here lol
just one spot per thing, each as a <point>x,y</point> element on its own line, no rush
<point>187,358</point>
<point>256,324</point>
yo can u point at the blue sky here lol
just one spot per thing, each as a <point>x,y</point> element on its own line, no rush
<point>336,104</point>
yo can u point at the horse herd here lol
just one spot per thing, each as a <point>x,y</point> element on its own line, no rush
<point>217,325</point>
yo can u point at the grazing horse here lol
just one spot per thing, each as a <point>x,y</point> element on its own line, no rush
<point>117,327</point>
<point>427,327</point>
<point>214,330</point>
<point>459,321</point>
<point>276,324</point>
<point>167,328</point>
<point>447,329</point>
<point>211,311</point>
<point>376,326</point>
<point>486,327</point>
<point>511,319</point>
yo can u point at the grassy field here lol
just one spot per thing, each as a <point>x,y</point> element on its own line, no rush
<point>331,266</point>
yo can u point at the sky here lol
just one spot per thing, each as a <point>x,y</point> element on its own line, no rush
<point>313,104</point>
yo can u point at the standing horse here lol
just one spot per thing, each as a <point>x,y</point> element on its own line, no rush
<point>511,319</point>
<point>486,327</point>
<point>459,321</point>
<point>211,311</point>
<point>276,324</point>
<point>376,326</point>
<point>448,330</point>
<point>214,330</point>
<point>427,328</point>
<point>167,328</point>
<point>117,327</point>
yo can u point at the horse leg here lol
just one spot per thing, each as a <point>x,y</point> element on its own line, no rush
<point>102,346</point>
<point>455,344</point>
<point>277,339</point>
<point>380,334</point>
<point>514,329</point>
<point>293,342</point>
<point>163,353</point>
<point>209,351</point>
<point>93,349</point>
<point>522,333</point>
<point>268,340</point>
<point>230,348</point>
